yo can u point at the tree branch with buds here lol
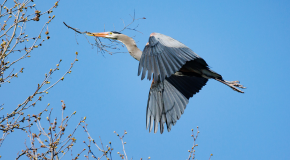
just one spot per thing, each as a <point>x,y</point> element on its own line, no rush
<point>12,31</point>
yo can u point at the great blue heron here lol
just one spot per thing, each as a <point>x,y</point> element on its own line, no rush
<point>177,72</point>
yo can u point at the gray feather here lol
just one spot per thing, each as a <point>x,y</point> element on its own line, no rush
<point>168,55</point>
<point>167,100</point>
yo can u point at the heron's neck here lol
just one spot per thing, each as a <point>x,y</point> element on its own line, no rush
<point>134,51</point>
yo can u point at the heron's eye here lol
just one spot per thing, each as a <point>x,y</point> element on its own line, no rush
<point>110,33</point>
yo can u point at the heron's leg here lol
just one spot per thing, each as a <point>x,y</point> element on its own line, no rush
<point>232,84</point>
<point>235,83</point>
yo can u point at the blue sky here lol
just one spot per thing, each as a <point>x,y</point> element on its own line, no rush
<point>242,40</point>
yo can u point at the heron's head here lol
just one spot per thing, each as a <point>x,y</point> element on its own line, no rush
<point>110,35</point>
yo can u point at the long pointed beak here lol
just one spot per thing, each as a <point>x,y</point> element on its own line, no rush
<point>102,34</point>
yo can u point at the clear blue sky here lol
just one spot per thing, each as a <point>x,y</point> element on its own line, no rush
<point>242,40</point>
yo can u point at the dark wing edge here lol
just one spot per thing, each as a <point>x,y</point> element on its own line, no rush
<point>168,99</point>
<point>163,57</point>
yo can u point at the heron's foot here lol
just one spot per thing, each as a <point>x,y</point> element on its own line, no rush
<point>232,84</point>
<point>235,84</point>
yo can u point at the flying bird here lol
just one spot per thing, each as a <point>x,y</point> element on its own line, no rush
<point>177,74</point>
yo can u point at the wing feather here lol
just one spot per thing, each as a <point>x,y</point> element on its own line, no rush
<point>176,56</point>
<point>170,67</point>
<point>173,58</point>
<point>163,69</point>
<point>145,69</point>
<point>149,67</point>
<point>167,100</point>
<point>156,72</point>
<point>151,123</point>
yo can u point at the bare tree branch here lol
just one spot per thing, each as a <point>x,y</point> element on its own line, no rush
<point>109,45</point>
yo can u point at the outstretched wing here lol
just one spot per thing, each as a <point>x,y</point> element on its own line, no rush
<point>163,56</point>
<point>168,99</point>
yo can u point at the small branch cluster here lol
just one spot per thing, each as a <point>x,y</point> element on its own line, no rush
<point>192,151</point>
<point>13,22</point>
<point>15,119</point>
<point>106,151</point>
<point>133,20</point>
<point>50,143</point>
<point>124,155</point>
<point>110,44</point>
